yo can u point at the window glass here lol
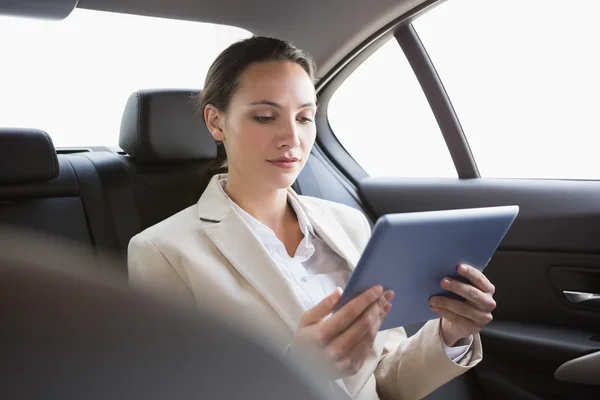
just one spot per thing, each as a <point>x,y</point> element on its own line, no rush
<point>72,78</point>
<point>523,79</point>
<point>382,118</point>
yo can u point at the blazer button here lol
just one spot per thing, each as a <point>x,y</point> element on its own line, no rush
<point>305,279</point>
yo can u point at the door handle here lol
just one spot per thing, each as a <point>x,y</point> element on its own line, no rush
<point>582,370</point>
<point>582,298</point>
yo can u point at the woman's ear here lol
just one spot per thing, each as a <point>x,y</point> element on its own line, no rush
<point>214,122</point>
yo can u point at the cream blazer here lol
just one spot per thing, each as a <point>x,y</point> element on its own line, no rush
<point>207,256</point>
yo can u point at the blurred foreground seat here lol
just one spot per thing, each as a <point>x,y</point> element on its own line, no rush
<point>70,333</point>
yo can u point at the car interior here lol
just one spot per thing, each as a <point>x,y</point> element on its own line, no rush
<point>544,342</point>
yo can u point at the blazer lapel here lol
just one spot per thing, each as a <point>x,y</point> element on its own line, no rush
<point>236,241</point>
<point>331,232</point>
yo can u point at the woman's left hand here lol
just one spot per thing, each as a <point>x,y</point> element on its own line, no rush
<point>461,319</point>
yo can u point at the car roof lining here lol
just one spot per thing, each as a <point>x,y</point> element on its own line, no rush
<point>329,30</point>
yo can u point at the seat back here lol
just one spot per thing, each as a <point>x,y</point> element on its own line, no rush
<point>54,194</point>
<point>169,152</point>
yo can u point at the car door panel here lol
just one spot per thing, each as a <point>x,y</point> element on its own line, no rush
<point>582,370</point>
<point>552,248</point>
<point>554,215</point>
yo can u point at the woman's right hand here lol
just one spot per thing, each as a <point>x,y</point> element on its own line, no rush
<point>345,340</point>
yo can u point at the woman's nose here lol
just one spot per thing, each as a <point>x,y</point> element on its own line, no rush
<point>289,136</point>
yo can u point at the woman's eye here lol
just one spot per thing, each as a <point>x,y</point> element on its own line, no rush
<point>305,120</point>
<point>263,119</point>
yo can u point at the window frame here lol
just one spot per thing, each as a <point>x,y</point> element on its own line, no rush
<point>441,106</point>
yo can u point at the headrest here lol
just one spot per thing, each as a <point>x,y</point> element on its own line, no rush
<point>26,156</point>
<point>164,125</point>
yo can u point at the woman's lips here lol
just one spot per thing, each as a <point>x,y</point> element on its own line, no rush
<point>285,163</point>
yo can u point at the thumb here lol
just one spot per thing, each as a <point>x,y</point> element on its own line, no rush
<point>321,310</point>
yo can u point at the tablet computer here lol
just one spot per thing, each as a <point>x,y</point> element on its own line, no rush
<point>410,253</point>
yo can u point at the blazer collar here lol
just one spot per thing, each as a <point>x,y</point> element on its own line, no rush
<point>214,204</point>
<point>237,242</point>
<point>329,229</point>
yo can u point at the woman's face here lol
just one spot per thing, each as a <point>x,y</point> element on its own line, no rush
<point>268,129</point>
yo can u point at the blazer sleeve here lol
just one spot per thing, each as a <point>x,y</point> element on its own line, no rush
<point>411,368</point>
<point>150,270</point>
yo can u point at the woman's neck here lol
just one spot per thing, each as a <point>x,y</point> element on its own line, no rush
<point>270,207</point>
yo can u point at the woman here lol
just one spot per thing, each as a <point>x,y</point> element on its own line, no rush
<point>254,249</point>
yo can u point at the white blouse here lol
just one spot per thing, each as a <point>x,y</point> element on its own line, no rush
<point>315,270</point>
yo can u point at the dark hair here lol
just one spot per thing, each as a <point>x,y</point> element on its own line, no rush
<point>223,75</point>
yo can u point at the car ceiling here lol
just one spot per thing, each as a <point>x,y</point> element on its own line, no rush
<point>328,29</point>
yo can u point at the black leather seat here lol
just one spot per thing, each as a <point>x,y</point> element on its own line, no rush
<point>37,190</point>
<point>100,199</point>
<point>169,152</point>
<point>56,195</point>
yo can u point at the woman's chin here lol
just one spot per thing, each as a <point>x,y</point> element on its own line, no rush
<point>284,180</point>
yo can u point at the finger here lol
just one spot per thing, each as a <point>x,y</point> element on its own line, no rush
<point>481,300</point>
<point>352,363</point>
<point>364,328</point>
<point>321,310</point>
<point>464,324</point>
<point>477,278</point>
<point>480,318</point>
<point>345,316</point>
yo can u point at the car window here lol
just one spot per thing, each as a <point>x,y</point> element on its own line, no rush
<point>72,78</point>
<point>523,79</point>
<point>382,118</point>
